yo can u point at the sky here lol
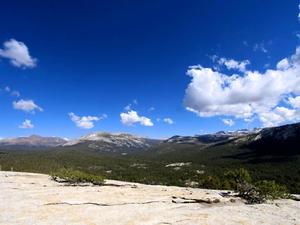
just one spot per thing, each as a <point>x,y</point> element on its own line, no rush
<point>151,68</point>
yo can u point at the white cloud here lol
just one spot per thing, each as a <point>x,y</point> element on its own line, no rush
<point>85,122</point>
<point>18,54</point>
<point>168,120</point>
<point>131,117</point>
<point>294,102</point>
<point>283,64</point>
<point>26,125</point>
<point>211,93</point>
<point>26,106</point>
<point>228,122</point>
<point>260,47</point>
<point>279,115</point>
<point>232,64</point>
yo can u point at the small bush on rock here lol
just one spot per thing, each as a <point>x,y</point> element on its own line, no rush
<point>211,182</point>
<point>260,192</point>
<point>75,176</point>
<point>237,177</point>
<point>269,190</point>
<point>250,193</point>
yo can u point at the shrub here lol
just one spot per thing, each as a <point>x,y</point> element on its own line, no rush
<point>75,176</point>
<point>226,185</point>
<point>250,193</point>
<point>271,190</point>
<point>212,182</point>
<point>237,177</point>
<point>240,181</point>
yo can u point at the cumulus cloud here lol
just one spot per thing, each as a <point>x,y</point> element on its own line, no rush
<point>212,93</point>
<point>279,115</point>
<point>168,120</point>
<point>85,122</point>
<point>18,54</point>
<point>26,125</point>
<point>228,122</point>
<point>294,102</point>
<point>26,106</point>
<point>131,117</point>
<point>283,64</point>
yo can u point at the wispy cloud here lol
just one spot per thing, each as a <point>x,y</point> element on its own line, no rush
<point>151,109</point>
<point>260,47</point>
<point>128,107</point>
<point>232,64</point>
<point>168,121</point>
<point>228,122</point>
<point>246,43</point>
<point>7,89</point>
<point>15,93</point>
<point>11,92</point>
<point>299,12</point>
<point>26,125</point>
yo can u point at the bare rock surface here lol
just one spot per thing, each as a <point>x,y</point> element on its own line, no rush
<point>27,198</point>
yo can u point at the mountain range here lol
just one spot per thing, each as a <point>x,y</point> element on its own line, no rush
<point>126,143</point>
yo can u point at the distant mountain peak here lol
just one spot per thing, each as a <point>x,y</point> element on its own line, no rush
<point>33,140</point>
<point>219,136</point>
<point>112,142</point>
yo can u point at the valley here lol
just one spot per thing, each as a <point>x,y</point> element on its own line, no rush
<point>197,161</point>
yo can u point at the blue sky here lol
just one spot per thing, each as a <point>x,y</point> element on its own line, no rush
<point>67,69</point>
